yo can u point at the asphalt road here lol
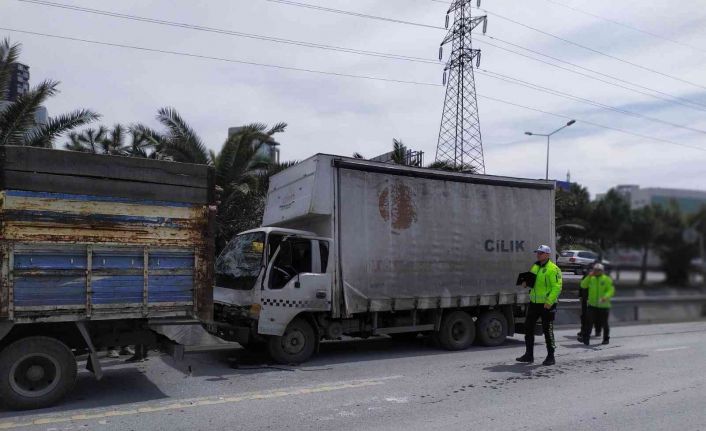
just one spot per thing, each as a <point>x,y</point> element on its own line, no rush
<point>650,377</point>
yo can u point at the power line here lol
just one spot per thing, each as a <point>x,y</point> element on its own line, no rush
<point>355,51</point>
<point>595,51</point>
<point>540,88</point>
<point>228,32</point>
<point>673,99</point>
<point>622,24</point>
<point>330,47</point>
<point>356,14</point>
<point>615,129</point>
<point>340,75</point>
<point>345,12</point>
<point>229,60</point>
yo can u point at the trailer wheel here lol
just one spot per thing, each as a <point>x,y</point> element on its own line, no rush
<point>296,345</point>
<point>457,331</point>
<point>492,328</point>
<point>36,372</point>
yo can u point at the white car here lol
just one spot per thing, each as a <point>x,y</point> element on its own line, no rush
<point>578,261</point>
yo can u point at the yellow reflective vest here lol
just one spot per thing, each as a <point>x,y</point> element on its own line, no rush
<point>547,286</point>
<point>599,287</point>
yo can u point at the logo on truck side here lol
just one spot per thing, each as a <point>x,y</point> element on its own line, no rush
<point>396,204</point>
<point>504,246</point>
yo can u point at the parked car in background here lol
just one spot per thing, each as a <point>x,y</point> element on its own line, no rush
<point>579,261</point>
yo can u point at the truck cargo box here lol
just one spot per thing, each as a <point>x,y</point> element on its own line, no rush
<point>409,238</point>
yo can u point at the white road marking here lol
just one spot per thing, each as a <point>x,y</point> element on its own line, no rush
<point>669,349</point>
<point>192,403</point>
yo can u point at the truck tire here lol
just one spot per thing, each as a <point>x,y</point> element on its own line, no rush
<point>457,331</point>
<point>296,345</point>
<point>492,328</point>
<point>36,372</point>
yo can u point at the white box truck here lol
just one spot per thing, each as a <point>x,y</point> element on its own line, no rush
<point>357,248</point>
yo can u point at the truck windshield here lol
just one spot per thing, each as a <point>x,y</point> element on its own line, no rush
<point>239,264</point>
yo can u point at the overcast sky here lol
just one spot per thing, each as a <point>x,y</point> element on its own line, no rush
<point>344,115</point>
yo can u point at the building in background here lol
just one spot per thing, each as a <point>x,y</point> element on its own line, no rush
<point>689,201</point>
<point>269,149</point>
<point>19,85</point>
<point>19,81</point>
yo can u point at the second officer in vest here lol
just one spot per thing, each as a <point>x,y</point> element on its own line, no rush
<point>543,299</point>
<point>600,289</point>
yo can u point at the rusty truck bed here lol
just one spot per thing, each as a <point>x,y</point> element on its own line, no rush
<point>103,237</point>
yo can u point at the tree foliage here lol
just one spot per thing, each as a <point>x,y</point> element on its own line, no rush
<point>18,118</point>
<point>609,223</point>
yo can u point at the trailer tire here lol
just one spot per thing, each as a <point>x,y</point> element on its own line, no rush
<point>457,331</point>
<point>492,328</point>
<point>296,345</point>
<point>36,372</point>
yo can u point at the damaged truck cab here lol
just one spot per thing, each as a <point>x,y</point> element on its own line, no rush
<point>268,277</point>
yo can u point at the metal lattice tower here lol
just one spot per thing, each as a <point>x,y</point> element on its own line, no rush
<point>460,144</point>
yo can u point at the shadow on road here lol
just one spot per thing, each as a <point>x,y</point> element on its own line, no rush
<point>221,365</point>
<point>118,386</point>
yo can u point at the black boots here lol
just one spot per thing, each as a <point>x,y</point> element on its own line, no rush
<point>549,361</point>
<point>525,358</point>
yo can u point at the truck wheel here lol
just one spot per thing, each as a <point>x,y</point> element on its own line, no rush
<point>36,372</point>
<point>457,331</point>
<point>492,328</point>
<point>296,345</point>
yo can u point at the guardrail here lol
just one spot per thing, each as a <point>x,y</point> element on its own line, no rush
<point>642,300</point>
<point>644,308</point>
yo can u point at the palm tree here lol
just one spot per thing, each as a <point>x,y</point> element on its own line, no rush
<point>239,165</point>
<point>448,166</point>
<point>140,146</point>
<point>17,119</point>
<point>88,141</point>
<point>399,152</point>
<point>114,142</point>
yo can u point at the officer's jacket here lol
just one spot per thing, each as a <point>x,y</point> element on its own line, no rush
<point>600,286</point>
<point>547,286</point>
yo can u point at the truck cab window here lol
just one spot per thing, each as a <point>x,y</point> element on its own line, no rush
<point>239,264</point>
<point>294,258</point>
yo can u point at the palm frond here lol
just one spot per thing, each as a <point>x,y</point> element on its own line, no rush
<point>399,152</point>
<point>114,143</point>
<point>17,119</point>
<point>74,144</point>
<point>94,139</point>
<point>277,128</point>
<point>44,135</point>
<point>183,144</point>
<point>9,54</point>
<point>253,127</point>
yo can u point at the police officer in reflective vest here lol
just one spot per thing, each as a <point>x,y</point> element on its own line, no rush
<point>600,289</point>
<point>543,299</point>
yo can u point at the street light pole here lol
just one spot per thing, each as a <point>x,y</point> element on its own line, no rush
<point>546,174</point>
<point>548,135</point>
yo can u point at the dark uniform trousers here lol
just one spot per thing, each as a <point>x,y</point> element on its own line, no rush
<point>534,313</point>
<point>599,317</point>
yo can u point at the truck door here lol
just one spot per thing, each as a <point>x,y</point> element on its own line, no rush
<point>298,280</point>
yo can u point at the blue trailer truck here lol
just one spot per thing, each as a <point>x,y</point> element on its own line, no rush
<point>96,251</point>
